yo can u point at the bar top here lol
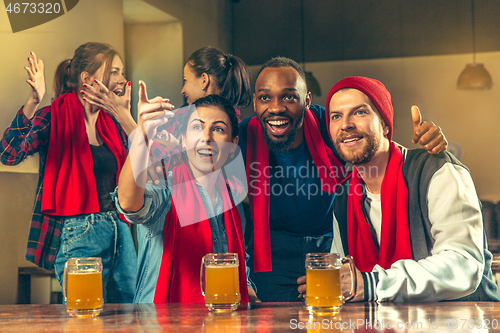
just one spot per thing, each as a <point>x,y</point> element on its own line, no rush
<point>258,317</point>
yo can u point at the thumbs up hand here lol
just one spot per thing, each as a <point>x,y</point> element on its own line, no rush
<point>427,133</point>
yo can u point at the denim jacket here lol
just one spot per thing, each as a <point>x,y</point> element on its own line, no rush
<point>150,220</point>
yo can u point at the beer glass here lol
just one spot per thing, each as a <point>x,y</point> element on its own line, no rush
<point>220,283</point>
<point>82,287</point>
<point>324,287</point>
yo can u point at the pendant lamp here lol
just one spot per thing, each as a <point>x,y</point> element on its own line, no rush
<point>474,76</point>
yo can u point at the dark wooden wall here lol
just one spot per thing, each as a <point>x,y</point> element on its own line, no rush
<point>361,29</point>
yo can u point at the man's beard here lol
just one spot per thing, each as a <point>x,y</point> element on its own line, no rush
<point>282,144</point>
<point>364,156</point>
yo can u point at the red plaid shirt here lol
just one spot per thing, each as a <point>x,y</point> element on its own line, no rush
<point>26,137</point>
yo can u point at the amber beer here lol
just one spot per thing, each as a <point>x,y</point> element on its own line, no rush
<point>220,281</point>
<point>324,288</point>
<point>82,287</point>
<point>222,284</point>
<point>84,290</point>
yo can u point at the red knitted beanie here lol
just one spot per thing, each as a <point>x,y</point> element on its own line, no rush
<point>375,91</point>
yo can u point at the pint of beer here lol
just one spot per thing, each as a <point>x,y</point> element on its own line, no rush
<point>324,288</point>
<point>82,287</point>
<point>220,281</point>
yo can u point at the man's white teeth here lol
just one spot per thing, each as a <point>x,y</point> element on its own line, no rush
<point>278,122</point>
<point>351,140</point>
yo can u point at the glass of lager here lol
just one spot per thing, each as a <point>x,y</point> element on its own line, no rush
<point>324,287</point>
<point>220,281</point>
<point>82,287</point>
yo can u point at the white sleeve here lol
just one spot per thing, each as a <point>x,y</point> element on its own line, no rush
<point>455,267</point>
<point>337,240</point>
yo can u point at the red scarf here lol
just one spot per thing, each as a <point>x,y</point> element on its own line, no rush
<point>259,183</point>
<point>395,235</point>
<point>69,186</point>
<point>184,244</point>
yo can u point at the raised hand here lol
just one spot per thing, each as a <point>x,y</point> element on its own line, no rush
<point>148,109</point>
<point>116,106</point>
<point>36,80</point>
<point>152,113</point>
<point>427,133</point>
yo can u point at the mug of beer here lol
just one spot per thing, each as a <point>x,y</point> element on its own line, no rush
<point>324,288</point>
<point>82,287</point>
<point>220,281</point>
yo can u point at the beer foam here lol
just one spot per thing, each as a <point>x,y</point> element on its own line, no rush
<point>224,265</point>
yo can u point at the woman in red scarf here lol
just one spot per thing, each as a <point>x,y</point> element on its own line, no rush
<point>196,211</point>
<point>82,147</point>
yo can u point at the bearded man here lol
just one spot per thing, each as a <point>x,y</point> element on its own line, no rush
<point>411,221</point>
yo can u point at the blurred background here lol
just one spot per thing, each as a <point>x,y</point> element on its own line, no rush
<point>416,48</point>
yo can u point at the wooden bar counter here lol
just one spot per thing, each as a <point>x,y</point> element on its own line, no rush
<point>258,317</point>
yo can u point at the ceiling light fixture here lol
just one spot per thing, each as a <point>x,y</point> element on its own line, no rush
<point>474,76</point>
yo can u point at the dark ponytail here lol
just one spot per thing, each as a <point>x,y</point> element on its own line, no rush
<point>61,78</point>
<point>88,57</point>
<point>230,73</point>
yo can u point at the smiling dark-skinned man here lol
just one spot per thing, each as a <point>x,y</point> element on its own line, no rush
<point>292,168</point>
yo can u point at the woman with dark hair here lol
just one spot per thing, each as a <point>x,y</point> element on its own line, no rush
<point>210,71</point>
<point>197,211</point>
<point>82,148</point>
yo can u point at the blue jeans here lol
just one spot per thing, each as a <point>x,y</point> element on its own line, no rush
<point>101,235</point>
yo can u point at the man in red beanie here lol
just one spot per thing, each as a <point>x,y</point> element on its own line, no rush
<point>411,221</point>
